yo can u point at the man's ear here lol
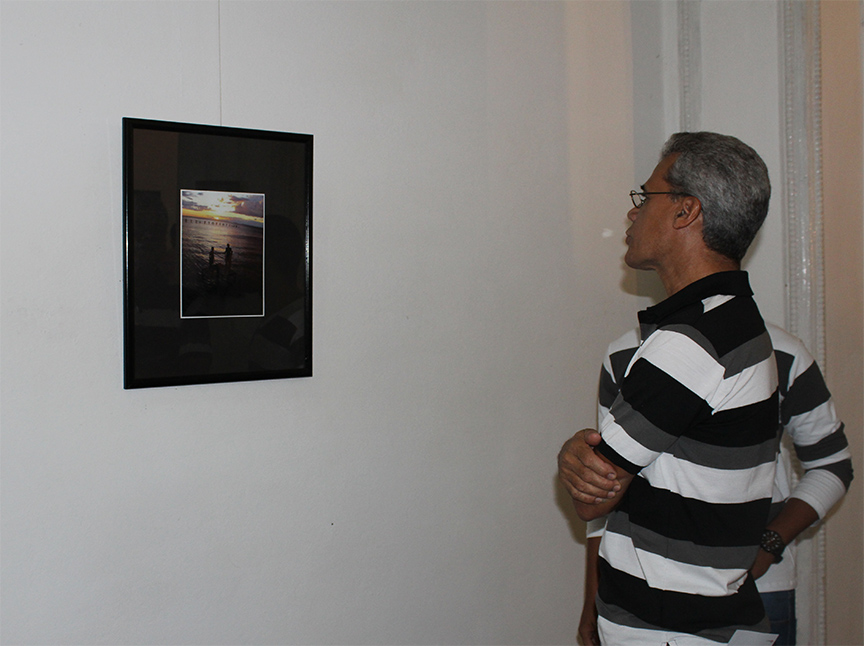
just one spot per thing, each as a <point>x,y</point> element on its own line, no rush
<point>690,211</point>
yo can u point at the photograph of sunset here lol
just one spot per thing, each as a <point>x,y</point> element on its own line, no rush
<point>222,254</point>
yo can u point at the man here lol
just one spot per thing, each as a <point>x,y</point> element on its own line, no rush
<point>692,436</point>
<point>809,419</point>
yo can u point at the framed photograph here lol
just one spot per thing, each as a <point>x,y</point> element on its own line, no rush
<point>217,253</point>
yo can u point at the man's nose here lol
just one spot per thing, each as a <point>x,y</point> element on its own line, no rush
<point>632,213</point>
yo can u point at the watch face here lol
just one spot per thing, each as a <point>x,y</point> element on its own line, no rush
<point>773,543</point>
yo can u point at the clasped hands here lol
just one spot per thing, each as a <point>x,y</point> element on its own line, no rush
<point>590,480</point>
<point>586,476</point>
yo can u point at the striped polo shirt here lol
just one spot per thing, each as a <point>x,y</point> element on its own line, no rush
<point>807,416</point>
<point>696,421</point>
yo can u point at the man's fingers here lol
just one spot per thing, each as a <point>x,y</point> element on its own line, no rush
<point>586,456</point>
<point>584,492</point>
<point>592,437</point>
<point>588,469</point>
<point>587,481</point>
<point>587,477</point>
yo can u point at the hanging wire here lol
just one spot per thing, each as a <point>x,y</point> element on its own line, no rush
<point>219,43</point>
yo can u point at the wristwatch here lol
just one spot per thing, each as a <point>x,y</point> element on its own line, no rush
<point>773,543</point>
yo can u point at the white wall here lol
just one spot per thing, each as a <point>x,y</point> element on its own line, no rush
<point>472,163</point>
<point>737,92</point>
<point>741,96</point>
<point>843,172</point>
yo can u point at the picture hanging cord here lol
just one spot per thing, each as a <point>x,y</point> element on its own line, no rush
<point>219,43</point>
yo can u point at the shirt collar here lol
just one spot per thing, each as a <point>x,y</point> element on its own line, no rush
<point>732,283</point>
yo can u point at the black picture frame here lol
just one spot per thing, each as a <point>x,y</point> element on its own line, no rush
<point>242,309</point>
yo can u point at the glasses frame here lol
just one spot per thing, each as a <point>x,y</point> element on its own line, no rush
<point>642,196</point>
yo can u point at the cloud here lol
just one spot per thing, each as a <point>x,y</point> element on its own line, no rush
<point>188,200</point>
<point>249,204</point>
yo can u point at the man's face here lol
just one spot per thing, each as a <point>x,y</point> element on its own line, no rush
<point>649,238</point>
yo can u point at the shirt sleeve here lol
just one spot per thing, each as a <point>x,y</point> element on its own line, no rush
<point>810,418</point>
<point>664,390</point>
<point>595,527</point>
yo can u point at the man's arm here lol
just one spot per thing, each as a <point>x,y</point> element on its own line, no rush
<point>794,518</point>
<point>592,510</point>
<point>588,622</point>
<point>574,461</point>
<point>586,476</point>
<point>811,421</point>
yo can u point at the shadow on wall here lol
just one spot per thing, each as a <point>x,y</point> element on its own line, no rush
<point>641,283</point>
<point>565,504</point>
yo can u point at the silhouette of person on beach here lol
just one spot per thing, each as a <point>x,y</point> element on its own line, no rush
<point>228,253</point>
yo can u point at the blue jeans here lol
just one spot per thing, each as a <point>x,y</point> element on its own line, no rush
<point>780,608</point>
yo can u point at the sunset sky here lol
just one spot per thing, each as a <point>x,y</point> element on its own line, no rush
<point>241,208</point>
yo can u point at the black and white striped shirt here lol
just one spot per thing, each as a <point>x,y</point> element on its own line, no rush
<point>696,420</point>
<point>808,417</point>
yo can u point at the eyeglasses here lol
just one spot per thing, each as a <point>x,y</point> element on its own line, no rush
<point>638,197</point>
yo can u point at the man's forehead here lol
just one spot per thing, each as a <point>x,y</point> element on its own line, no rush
<point>659,174</point>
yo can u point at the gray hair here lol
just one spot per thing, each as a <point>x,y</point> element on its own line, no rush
<point>731,181</point>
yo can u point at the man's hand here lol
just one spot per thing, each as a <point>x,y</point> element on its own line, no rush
<point>764,560</point>
<point>588,634</point>
<point>586,476</point>
<point>794,518</point>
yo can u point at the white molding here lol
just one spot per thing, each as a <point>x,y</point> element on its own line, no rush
<point>800,190</point>
<point>802,173</point>
<point>804,259</point>
<point>690,65</point>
